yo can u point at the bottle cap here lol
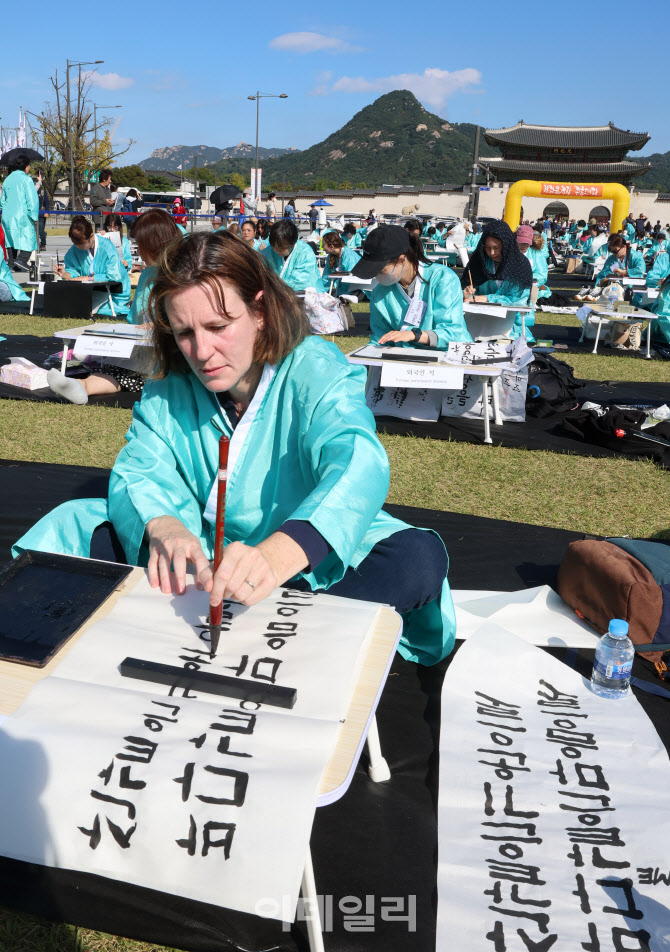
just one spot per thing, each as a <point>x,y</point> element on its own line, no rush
<point>618,627</point>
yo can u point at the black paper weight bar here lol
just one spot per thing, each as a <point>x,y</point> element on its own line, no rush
<point>274,694</point>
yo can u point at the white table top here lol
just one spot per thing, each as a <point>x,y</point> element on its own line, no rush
<point>478,370</point>
<point>104,331</point>
<point>350,279</point>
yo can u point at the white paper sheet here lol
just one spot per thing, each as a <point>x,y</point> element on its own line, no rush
<point>174,761</point>
<point>544,788</point>
<point>62,757</point>
<point>403,403</point>
<point>537,615</point>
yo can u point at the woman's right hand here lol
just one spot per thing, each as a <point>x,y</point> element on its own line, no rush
<point>172,544</point>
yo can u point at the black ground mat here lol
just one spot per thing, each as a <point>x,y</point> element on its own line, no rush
<point>534,434</point>
<point>379,839</point>
<point>37,349</point>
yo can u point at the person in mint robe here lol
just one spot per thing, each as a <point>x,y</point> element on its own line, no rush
<point>340,258</point>
<point>499,273</point>
<point>95,259</point>
<point>293,260</point>
<point>10,289</point>
<point>414,303</point>
<point>307,475</point>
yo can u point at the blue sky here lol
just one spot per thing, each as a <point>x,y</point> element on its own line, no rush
<point>183,77</point>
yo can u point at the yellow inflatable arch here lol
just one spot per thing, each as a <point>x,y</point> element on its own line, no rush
<point>619,195</point>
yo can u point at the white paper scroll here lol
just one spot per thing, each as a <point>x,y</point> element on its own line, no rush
<point>553,809</point>
<point>204,797</point>
<point>404,403</point>
<point>538,615</point>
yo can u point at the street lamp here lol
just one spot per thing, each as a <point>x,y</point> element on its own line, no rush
<point>97,106</point>
<point>258,98</point>
<point>69,120</point>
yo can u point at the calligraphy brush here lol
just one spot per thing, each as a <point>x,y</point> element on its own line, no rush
<point>216,611</point>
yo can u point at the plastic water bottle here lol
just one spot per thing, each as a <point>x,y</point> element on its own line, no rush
<point>613,662</point>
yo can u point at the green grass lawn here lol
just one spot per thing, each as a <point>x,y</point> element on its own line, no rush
<point>592,495</point>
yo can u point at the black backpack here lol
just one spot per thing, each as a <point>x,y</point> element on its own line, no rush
<point>551,387</point>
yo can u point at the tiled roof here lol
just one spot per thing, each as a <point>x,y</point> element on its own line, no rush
<point>574,137</point>
<point>566,168</point>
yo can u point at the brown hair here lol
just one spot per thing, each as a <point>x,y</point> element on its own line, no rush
<point>616,243</point>
<point>207,259</point>
<point>538,241</point>
<point>233,228</point>
<point>80,229</point>
<point>153,231</point>
<point>334,240</point>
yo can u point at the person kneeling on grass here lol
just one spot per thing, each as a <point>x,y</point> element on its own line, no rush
<point>308,476</point>
<point>94,259</point>
<point>153,231</point>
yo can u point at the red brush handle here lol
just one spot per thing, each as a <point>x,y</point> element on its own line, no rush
<point>224,446</point>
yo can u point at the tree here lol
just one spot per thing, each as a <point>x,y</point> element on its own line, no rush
<point>132,176</point>
<point>159,184</point>
<point>204,175</point>
<point>240,180</point>
<point>91,150</point>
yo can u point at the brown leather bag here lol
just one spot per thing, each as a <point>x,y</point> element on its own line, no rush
<point>601,581</point>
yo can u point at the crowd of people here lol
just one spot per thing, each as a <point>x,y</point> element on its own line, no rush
<point>232,343</point>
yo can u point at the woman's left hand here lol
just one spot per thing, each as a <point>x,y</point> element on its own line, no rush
<point>249,573</point>
<point>396,336</point>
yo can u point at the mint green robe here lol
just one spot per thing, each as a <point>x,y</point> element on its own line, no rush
<point>508,293</point>
<point>660,329</point>
<point>302,269</point>
<point>6,276</point>
<point>540,266</point>
<point>442,294</point>
<point>310,453</point>
<point>659,271</point>
<point>138,313</point>
<point>348,260</point>
<point>634,263</point>
<point>20,208</point>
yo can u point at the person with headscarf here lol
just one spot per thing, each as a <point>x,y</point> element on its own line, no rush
<point>499,273</point>
<point>415,302</point>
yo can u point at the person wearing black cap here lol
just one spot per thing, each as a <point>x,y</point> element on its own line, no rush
<point>415,303</point>
<point>499,273</point>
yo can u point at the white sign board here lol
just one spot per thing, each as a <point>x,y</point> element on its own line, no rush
<point>399,374</point>
<point>553,809</point>
<point>103,346</point>
<point>201,796</point>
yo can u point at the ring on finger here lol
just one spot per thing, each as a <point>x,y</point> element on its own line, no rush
<point>250,584</point>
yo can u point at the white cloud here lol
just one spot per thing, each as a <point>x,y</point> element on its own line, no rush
<point>312,43</point>
<point>110,80</point>
<point>433,86</point>
<point>323,81</point>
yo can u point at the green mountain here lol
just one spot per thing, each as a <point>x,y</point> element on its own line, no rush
<point>658,176</point>
<point>171,158</point>
<point>393,141</point>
